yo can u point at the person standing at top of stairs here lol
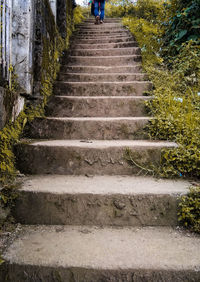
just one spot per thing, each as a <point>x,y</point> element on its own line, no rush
<point>99,6</point>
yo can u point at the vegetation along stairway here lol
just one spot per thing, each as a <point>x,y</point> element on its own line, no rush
<point>86,215</point>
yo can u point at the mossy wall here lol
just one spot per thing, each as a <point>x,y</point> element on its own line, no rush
<point>51,39</point>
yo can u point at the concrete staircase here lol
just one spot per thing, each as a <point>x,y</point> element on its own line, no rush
<point>86,215</point>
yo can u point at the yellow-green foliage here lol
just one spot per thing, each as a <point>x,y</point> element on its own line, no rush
<point>79,14</point>
<point>176,103</point>
<point>189,209</point>
<point>145,32</point>
<point>115,8</point>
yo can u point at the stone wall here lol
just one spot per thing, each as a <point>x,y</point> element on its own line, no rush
<point>32,36</point>
<point>50,29</point>
<point>2,108</point>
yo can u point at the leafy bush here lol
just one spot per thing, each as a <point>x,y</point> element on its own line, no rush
<point>146,34</point>
<point>183,25</point>
<point>116,8</point>
<point>176,103</point>
<point>189,209</point>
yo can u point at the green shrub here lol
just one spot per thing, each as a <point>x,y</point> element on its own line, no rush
<point>176,103</point>
<point>182,26</point>
<point>189,210</point>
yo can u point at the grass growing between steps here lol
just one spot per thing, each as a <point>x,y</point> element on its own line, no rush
<point>176,80</point>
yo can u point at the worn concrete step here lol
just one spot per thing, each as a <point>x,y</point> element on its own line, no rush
<point>102,40</point>
<point>102,77</point>
<point>106,20</point>
<point>98,200</point>
<point>106,52</point>
<point>97,31</point>
<point>126,88</point>
<point>97,128</point>
<point>103,60</point>
<point>104,46</point>
<point>103,36</point>
<point>103,106</point>
<point>102,69</point>
<point>80,157</point>
<point>106,26</point>
<point>94,254</point>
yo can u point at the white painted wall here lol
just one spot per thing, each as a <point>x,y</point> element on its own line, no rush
<point>22,42</point>
<point>53,4</point>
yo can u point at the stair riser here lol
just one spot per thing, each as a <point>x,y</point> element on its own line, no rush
<point>102,40</point>
<point>109,21</point>
<point>90,209</point>
<point>98,32</point>
<point>104,89</point>
<point>102,36</point>
<point>102,70</point>
<point>108,26</point>
<point>103,77</point>
<point>106,52</point>
<point>80,161</point>
<point>106,61</point>
<point>20,272</point>
<point>97,107</point>
<point>104,46</point>
<point>99,130</point>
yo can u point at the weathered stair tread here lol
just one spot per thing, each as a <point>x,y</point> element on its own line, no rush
<point>106,97</point>
<point>102,88</point>
<point>102,40</point>
<point>78,77</point>
<point>103,201</point>
<point>94,254</point>
<point>97,106</point>
<point>104,143</point>
<point>106,52</point>
<point>105,184</point>
<point>110,128</point>
<point>80,157</point>
<point>101,32</point>
<point>98,118</point>
<point>104,45</point>
<point>104,60</point>
<point>101,69</point>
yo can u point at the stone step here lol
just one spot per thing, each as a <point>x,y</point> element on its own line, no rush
<point>94,254</point>
<point>98,200</point>
<point>104,46</point>
<point>103,36</point>
<point>126,88</point>
<point>106,20</point>
<point>80,157</point>
<point>97,31</point>
<point>78,77</point>
<point>107,26</point>
<point>106,52</point>
<point>103,106</point>
<point>103,60</point>
<point>97,128</point>
<point>102,40</point>
<point>102,69</point>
